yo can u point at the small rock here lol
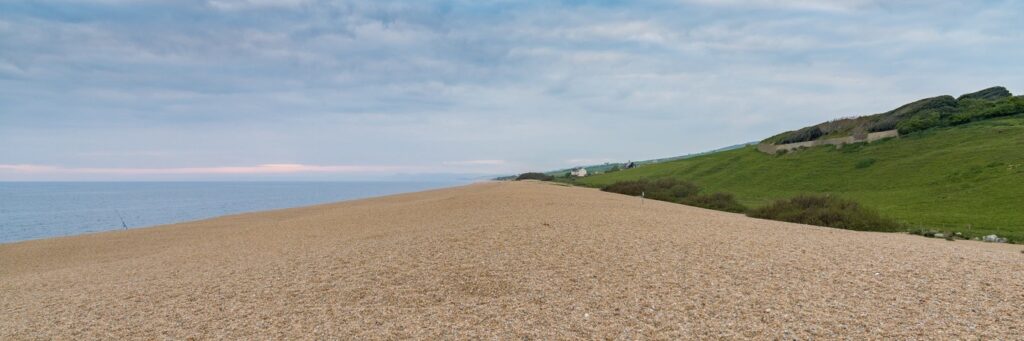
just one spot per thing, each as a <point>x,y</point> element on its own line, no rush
<point>993,239</point>
<point>940,235</point>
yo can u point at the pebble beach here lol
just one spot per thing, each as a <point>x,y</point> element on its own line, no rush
<point>507,260</point>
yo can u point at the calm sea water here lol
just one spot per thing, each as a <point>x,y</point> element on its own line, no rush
<point>32,210</point>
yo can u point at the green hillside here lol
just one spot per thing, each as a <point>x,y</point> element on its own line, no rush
<point>944,177</point>
<point>941,111</point>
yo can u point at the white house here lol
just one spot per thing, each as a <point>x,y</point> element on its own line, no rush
<point>578,172</point>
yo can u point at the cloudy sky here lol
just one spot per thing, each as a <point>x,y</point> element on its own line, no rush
<point>305,89</point>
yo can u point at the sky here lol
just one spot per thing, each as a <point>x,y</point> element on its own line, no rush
<point>364,90</point>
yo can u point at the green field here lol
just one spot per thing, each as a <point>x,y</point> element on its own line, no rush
<point>967,178</point>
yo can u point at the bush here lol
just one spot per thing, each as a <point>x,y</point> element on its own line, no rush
<point>660,195</point>
<point>632,187</point>
<point>684,189</point>
<point>802,135</point>
<point>826,211</point>
<point>717,201</point>
<point>664,189</point>
<point>665,183</point>
<point>677,191</point>
<point>920,122</point>
<point>993,93</point>
<point>1012,106</point>
<point>534,176</point>
<point>976,110</point>
<point>883,123</point>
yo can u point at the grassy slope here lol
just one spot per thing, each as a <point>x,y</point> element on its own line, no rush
<point>943,178</point>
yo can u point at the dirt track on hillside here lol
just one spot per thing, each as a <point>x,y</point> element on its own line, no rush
<point>508,261</point>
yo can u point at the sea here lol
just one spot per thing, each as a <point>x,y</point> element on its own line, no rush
<point>34,210</point>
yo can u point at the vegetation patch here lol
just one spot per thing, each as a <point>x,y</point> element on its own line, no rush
<point>664,189</point>
<point>824,210</point>
<point>629,187</point>
<point>928,113</point>
<point>715,201</point>
<point>677,191</point>
<point>534,176</point>
<point>865,163</point>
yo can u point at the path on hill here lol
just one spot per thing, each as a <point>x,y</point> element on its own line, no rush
<point>507,260</point>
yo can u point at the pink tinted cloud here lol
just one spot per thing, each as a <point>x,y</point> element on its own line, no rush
<point>475,163</point>
<point>28,168</point>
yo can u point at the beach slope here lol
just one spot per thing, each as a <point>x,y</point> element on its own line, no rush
<point>506,260</point>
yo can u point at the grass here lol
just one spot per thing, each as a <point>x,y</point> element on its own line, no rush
<point>967,178</point>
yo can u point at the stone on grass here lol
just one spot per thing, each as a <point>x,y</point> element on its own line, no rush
<point>993,239</point>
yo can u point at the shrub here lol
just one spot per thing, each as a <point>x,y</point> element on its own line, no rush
<point>993,93</point>
<point>534,176</point>
<point>802,135</point>
<point>826,211</point>
<point>920,122</point>
<point>664,189</point>
<point>631,187</point>
<point>684,189</point>
<point>717,201</point>
<point>664,183</point>
<point>927,104</point>
<point>975,110</point>
<point>883,123</point>
<point>1011,106</point>
<point>677,191</point>
<point>659,194</point>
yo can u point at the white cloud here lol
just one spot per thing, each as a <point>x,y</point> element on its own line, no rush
<point>497,86</point>
<point>232,5</point>
<point>817,5</point>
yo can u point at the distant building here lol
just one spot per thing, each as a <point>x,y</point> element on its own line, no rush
<point>578,172</point>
